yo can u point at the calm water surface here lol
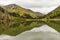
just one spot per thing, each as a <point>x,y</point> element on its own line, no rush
<point>30,31</point>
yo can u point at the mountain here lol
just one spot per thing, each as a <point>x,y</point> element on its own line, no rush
<point>54,14</point>
<point>14,12</point>
<point>24,13</point>
<point>37,13</point>
<point>6,16</point>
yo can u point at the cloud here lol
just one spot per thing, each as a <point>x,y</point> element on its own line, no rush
<point>5,37</point>
<point>43,6</point>
<point>44,10</point>
<point>38,3</point>
<point>28,35</point>
<point>37,36</point>
<point>44,28</point>
<point>32,3</point>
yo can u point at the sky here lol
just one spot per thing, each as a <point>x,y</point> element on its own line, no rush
<point>43,6</point>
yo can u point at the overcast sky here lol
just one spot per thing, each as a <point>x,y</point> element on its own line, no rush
<point>43,6</point>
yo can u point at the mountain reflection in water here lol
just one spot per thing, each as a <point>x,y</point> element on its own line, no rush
<point>35,31</point>
<point>34,35</point>
<point>15,28</point>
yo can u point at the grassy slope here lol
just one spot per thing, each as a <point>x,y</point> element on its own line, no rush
<point>54,14</point>
<point>19,10</point>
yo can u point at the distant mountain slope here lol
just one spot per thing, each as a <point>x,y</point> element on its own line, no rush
<point>6,16</point>
<point>24,13</point>
<point>54,14</point>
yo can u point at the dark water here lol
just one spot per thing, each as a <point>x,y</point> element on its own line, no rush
<point>15,28</point>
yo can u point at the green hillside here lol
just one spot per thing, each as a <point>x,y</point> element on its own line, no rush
<point>6,16</point>
<point>24,13</point>
<point>53,14</point>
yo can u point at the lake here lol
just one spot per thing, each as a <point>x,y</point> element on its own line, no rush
<point>30,30</point>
